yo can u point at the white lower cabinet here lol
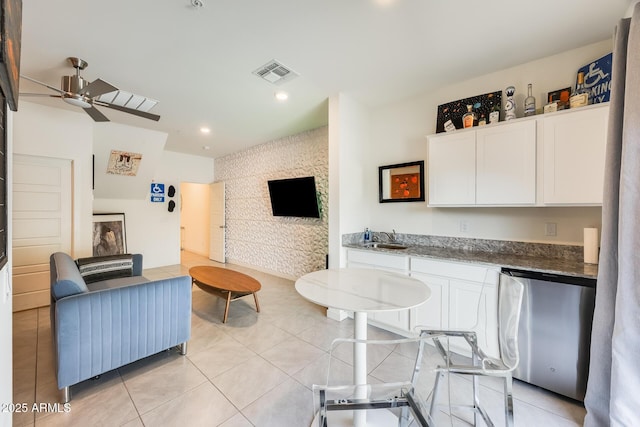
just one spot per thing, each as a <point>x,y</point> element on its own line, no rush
<point>433,314</point>
<point>463,297</point>
<point>396,321</point>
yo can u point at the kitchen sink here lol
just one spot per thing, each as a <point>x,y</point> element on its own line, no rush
<point>386,245</point>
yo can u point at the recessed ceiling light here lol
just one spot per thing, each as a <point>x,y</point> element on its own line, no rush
<point>281,96</point>
<point>206,147</point>
<point>205,130</point>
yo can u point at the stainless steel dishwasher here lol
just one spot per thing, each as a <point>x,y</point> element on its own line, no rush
<point>555,331</point>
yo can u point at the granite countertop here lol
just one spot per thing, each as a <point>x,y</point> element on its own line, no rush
<point>564,260</point>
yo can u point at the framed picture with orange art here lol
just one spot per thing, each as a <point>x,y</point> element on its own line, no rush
<point>402,182</point>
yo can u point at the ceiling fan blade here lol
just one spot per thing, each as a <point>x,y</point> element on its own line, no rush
<point>61,92</point>
<point>95,114</point>
<point>97,88</point>
<point>39,94</point>
<point>129,110</point>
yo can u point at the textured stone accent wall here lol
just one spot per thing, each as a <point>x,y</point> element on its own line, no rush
<point>288,246</point>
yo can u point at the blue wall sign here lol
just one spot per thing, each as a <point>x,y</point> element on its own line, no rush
<point>157,193</point>
<point>597,78</point>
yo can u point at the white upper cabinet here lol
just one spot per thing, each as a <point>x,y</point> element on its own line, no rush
<point>493,165</point>
<point>452,169</point>
<point>547,160</point>
<point>506,164</point>
<point>573,152</point>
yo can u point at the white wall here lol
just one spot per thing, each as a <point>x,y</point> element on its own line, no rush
<point>108,137</point>
<point>151,229</point>
<point>6,340</point>
<point>195,217</point>
<point>349,136</point>
<point>398,134</point>
<point>52,132</point>
<point>6,301</point>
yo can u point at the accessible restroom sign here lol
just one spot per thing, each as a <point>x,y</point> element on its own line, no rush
<point>157,193</point>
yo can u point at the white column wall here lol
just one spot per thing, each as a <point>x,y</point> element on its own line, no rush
<point>6,300</point>
<point>349,190</point>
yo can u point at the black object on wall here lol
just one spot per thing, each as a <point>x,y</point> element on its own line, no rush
<point>171,191</point>
<point>295,197</point>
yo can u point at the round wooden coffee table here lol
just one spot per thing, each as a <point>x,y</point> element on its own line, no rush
<point>225,283</point>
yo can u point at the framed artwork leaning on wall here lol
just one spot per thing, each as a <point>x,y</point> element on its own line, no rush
<point>109,234</point>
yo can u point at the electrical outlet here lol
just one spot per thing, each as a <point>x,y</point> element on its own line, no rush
<point>464,226</point>
<point>550,229</point>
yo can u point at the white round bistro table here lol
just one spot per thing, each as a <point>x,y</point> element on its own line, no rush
<point>362,291</point>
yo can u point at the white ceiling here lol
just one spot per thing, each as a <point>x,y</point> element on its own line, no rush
<point>198,62</point>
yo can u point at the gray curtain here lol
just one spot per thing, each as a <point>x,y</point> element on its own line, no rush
<point>613,390</point>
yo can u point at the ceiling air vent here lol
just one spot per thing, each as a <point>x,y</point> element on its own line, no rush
<point>276,73</point>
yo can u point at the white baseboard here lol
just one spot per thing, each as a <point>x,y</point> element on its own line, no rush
<point>264,270</point>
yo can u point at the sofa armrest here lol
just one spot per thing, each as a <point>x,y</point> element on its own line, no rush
<point>96,332</point>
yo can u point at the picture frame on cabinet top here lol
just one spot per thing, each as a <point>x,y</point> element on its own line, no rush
<point>450,114</point>
<point>402,182</point>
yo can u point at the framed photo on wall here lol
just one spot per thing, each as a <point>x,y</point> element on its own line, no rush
<point>403,182</point>
<point>109,234</point>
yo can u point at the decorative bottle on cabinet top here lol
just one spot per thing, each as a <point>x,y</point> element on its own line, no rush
<point>580,96</point>
<point>509,105</point>
<point>529,103</point>
<point>494,115</point>
<point>468,118</point>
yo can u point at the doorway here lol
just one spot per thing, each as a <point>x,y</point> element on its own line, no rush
<point>202,225</point>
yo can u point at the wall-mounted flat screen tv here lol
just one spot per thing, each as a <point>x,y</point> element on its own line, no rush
<point>294,197</point>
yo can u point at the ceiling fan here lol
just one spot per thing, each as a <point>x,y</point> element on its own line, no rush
<point>79,92</point>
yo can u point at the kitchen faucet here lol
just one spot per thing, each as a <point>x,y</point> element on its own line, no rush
<point>391,237</point>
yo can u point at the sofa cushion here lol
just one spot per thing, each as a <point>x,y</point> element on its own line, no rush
<point>95,269</point>
<point>119,282</point>
<point>65,277</point>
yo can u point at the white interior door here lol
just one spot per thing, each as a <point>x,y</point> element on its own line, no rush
<point>41,225</point>
<point>217,223</point>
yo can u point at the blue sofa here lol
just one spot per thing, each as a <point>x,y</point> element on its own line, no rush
<point>105,314</point>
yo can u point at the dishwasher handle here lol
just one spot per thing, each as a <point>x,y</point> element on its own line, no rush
<point>550,277</point>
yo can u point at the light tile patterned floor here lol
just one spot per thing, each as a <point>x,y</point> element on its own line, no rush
<point>255,370</point>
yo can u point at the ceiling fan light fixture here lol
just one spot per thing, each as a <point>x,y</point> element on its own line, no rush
<point>77,101</point>
<point>79,92</point>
